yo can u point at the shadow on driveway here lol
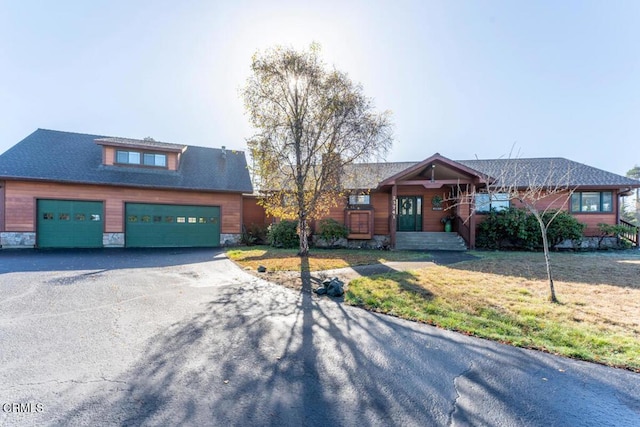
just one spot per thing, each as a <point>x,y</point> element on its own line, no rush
<point>258,354</point>
<point>24,260</point>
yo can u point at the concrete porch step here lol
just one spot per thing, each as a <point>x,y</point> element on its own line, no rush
<point>441,241</point>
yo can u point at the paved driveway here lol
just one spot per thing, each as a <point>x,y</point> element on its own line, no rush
<point>183,337</point>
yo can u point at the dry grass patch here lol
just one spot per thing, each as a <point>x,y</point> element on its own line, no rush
<point>319,259</point>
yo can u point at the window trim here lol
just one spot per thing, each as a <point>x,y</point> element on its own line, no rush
<point>497,198</point>
<point>600,202</point>
<point>356,197</point>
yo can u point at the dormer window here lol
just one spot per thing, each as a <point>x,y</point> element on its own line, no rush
<point>152,159</point>
<point>141,152</point>
<point>138,158</point>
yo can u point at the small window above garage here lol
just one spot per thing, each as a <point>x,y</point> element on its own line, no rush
<point>126,157</point>
<point>141,152</point>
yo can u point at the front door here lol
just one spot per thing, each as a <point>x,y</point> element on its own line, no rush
<point>409,213</point>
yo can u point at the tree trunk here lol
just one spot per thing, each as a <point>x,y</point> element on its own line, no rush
<point>303,232</point>
<point>545,247</point>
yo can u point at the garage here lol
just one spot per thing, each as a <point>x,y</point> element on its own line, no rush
<point>156,225</point>
<point>69,224</point>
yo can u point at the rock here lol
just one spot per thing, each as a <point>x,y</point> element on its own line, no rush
<point>262,269</point>
<point>335,288</point>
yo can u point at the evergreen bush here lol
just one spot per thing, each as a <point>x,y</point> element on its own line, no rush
<point>283,234</point>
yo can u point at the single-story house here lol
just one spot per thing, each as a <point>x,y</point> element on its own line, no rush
<point>63,189</point>
<point>402,204</point>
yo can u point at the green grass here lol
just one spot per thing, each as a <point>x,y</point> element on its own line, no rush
<point>512,309</point>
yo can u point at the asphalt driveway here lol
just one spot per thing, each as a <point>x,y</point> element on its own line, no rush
<point>184,337</point>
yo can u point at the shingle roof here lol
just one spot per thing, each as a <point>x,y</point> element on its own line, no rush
<point>147,142</point>
<point>73,157</point>
<point>369,175</point>
<point>554,171</point>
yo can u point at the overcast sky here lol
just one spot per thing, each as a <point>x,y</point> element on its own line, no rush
<point>466,79</point>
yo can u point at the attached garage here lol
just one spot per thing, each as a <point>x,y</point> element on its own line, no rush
<point>149,193</point>
<point>156,225</point>
<point>69,224</point>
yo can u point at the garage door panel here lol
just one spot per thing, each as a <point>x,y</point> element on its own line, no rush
<point>154,225</point>
<point>69,224</point>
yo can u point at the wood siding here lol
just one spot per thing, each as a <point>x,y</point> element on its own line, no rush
<point>591,219</point>
<point>431,219</point>
<point>21,196</point>
<point>381,204</point>
<point>2,227</point>
<point>252,213</point>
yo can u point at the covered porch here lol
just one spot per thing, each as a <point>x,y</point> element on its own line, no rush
<point>430,205</point>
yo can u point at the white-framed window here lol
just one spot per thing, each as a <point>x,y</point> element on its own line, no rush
<point>486,202</point>
<point>360,199</point>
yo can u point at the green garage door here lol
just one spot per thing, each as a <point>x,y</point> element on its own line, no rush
<point>149,225</point>
<point>69,224</point>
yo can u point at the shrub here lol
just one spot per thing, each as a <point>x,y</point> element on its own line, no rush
<point>564,227</point>
<point>518,229</point>
<point>510,227</point>
<point>283,234</point>
<point>608,230</point>
<point>331,231</point>
<point>255,234</point>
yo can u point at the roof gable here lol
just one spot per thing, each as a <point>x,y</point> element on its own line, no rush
<point>436,167</point>
<point>147,143</point>
<point>77,158</point>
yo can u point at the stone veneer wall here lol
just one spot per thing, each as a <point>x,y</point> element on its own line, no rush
<point>113,240</point>
<point>17,239</point>
<point>382,241</point>
<point>230,239</point>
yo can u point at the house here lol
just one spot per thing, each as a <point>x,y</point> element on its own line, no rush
<point>402,204</point>
<point>63,189</point>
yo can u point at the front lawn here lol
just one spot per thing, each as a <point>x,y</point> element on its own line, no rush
<point>500,296</point>
<point>503,297</point>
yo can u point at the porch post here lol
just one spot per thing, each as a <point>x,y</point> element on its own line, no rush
<point>472,231</point>
<point>472,220</point>
<point>392,222</point>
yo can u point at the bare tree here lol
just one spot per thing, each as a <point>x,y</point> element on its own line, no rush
<point>543,189</point>
<point>311,121</point>
<point>635,174</point>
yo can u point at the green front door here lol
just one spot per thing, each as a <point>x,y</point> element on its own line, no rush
<point>409,213</point>
<point>152,225</point>
<point>69,224</point>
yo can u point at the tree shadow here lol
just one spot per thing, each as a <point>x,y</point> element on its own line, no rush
<point>259,354</point>
<point>616,269</point>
